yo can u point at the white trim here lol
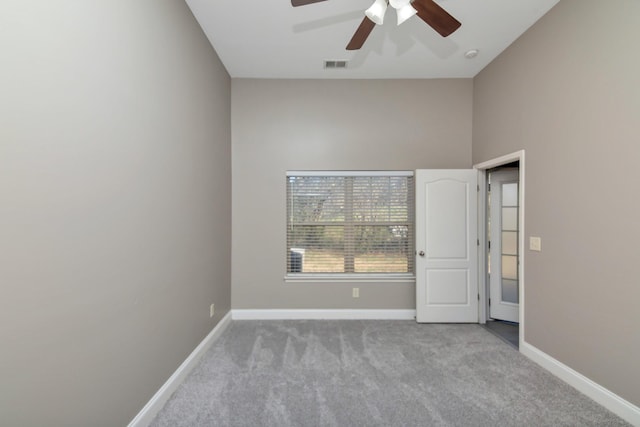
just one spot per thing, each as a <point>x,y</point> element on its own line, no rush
<point>349,173</point>
<point>616,404</point>
<point>350,277</point>
<point>319,314</point>
<point>482,254</point>
<point>499,161</point>
<point>522,231</point>
<point>151,409</point>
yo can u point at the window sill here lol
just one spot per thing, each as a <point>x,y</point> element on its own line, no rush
<point>371,278</point>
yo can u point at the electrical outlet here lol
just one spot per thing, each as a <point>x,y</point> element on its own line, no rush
<point>211,310</point>
<point>355,293</point>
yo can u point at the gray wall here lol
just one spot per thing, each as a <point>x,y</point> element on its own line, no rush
<point>281,125</point>
<point>115,186</point>
<point>568,93</point>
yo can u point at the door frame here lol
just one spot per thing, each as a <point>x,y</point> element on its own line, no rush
<point>483,283</point>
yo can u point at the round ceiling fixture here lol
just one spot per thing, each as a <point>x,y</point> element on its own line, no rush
<point>470,54</point>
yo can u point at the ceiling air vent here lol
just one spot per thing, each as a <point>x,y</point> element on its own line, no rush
<point>335,64</point>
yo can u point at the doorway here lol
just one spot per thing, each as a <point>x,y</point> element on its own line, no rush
<point>502,244</point>
<point>502,251</point>
<point>501,238</point>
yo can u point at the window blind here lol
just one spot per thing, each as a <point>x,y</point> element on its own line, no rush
<point>350,223</point>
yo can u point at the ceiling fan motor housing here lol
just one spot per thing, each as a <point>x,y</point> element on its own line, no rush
<point>399,4</point>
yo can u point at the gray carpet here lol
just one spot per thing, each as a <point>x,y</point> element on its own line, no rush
<point>372,373</point>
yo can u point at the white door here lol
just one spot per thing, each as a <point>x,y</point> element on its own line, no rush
<point>446,246</point>
<point>503,252</point>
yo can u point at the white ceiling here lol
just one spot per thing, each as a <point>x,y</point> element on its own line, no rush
<point>272,39</point>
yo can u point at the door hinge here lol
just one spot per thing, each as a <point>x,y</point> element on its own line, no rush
<point>489,301</point>
<point>478,297</point>
<point>489,187</point>
<point>478,187</point>
<point>478,242</point>
<point>489,243</point>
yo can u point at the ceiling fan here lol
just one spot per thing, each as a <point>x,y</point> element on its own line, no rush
<point>430,12</point>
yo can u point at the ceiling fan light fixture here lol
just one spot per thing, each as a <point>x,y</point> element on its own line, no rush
<point>428,10</point>
<point>376,11</point>
<point>405,13</point>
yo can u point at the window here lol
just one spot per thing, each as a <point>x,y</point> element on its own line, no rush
<point>350,224</point>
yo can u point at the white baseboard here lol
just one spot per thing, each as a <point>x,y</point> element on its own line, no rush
<point>616,404</point>
<point>313,314</point>
<point>151,409</point>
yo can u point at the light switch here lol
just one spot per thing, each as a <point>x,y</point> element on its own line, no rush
<point>535,243</point>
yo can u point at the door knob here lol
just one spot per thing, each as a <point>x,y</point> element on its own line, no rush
<point>421,253</point>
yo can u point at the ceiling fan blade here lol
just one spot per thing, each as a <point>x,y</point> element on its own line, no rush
<point>438,18</point>
<point>361,34</point>
<point>295,3</point>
